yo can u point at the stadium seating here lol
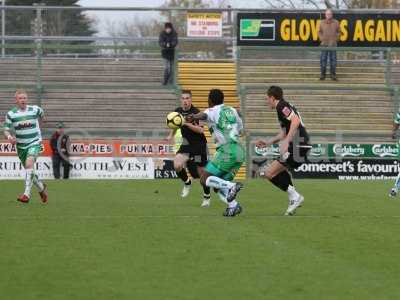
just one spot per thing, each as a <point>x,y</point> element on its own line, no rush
<point>102,97</point>
<point>200,77</point>
<point>395,68</point>
<point>359,105</point>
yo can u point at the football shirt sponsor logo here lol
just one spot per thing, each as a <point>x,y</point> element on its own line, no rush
<point>25,125</point>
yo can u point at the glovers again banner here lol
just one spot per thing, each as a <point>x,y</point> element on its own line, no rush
<point>301,29</point>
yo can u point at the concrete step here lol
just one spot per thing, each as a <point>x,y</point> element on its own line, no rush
<point>357,128</point>
<point>334,95</point>
<point>333,132</point>
<point>326,104</point>
<point>80,72</point>
<point>345,116</point>
<point>250,110</point>
<point>324,119</point>
<point>312,80</point>
<point>134,105</point>
<point>322,90</point>
<point>112,99</point>
<point>87,61</point>
<point>309,69</point>
<point>199,76</point>
<point>306,75</point>
<point>312,62</point>
<point>101,90</point>
<point>131,116</point>
<point>149,121</point>
<point>98,79</point>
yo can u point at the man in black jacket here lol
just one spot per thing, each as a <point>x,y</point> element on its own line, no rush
<point>60,145</point>
<point>168,40</point>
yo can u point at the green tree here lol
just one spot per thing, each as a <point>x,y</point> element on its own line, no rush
<point>54,23</point>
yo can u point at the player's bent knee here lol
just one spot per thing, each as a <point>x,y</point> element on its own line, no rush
<point>29,163</point>
<point>178,166</point>
<point>179,162</point>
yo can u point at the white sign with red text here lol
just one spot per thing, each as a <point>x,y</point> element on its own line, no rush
<point>204,24</point>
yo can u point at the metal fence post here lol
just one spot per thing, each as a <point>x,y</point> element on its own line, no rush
<point>39,55</point>
<point>3,29</point>
<point>176,67</point>
<point>388,69</point>
<point>396,99</point>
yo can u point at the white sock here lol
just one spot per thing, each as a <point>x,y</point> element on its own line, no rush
<point>218,183</point>
<point>292,191</point>
<point>39,184</point>
<point>222,195</point>
<point>397,182</point>
<point>28,181</point>
<point>233,203</point>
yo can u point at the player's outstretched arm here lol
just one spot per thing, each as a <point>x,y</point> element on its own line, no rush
<point>279,137</point>
<point>294,125</point>
<point>290,135</point>
<point>195,128</point>
<point>9,137</point>
<point>201,116</point>
<point>7,133</point>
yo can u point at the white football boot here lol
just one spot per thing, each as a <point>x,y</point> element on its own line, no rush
<point>294,203</point>
<point>206,202</point>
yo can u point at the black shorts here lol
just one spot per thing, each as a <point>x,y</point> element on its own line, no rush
<point>198,157</point>
<point>297,155</point>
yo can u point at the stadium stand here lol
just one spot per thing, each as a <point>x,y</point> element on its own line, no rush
<point>101,97</point>
<point>395,68</point>
<point>200,77</point>
<point>359,106</point>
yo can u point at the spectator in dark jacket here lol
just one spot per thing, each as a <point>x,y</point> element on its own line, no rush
<point>60,145</point>
<point>168,40</point>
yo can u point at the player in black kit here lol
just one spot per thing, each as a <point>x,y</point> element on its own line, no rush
<point>294,147</point>
<point>193,153</point>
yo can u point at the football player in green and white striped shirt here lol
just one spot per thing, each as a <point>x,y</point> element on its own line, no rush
<point>396,123</point>
<point>22,127</point>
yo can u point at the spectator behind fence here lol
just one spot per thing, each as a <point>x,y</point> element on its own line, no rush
<point>328,33</point>
<point>168,40</point>
<point>60,145</point>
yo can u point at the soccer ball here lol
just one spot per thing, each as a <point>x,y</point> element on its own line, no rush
<point>175,120</point>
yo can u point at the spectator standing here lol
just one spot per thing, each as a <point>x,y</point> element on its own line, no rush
<point>168,40</point>
<point>60,145</point>
<point>328,33</point>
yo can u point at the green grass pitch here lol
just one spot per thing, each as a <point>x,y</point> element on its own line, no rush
<point>140,240</point>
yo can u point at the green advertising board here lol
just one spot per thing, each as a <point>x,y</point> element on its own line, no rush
<point>329,151</point>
